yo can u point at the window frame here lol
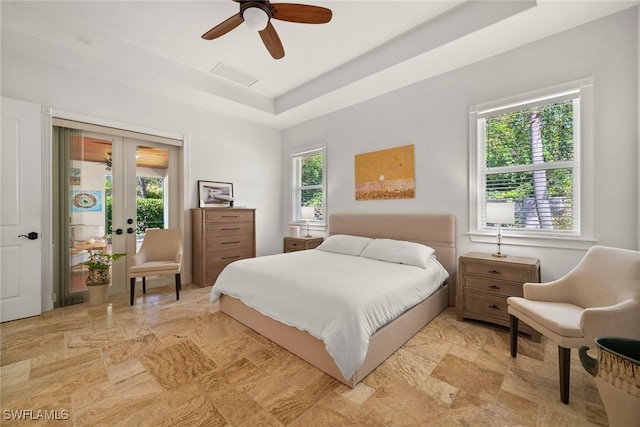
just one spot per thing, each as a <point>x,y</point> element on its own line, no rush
<point>295,189</point>
<point>582,164</point>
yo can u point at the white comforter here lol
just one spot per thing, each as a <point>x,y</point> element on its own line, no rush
<point>339,299</point>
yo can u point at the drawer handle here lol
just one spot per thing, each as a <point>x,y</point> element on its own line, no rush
<point>494,272</point>
<point>231,257</point>
<point>230,229</point>
<point>495,307</point>
<point>494,287</point>
<point>230,216</point>
<point>231,243</point>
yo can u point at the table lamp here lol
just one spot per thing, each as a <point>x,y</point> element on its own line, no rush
<point>308,213</point>
<point>500,213</point>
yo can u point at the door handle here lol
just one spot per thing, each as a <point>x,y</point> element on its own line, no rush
<point>31,236</point>
<point>119,231</point>
<point>130,230</point>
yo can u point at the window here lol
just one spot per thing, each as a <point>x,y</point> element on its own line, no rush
<point>527,151</point>
<point>308,185</point>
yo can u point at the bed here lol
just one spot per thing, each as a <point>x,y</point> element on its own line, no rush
<point>434,231</point>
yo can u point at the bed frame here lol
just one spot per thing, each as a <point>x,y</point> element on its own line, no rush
<point>436,231</point>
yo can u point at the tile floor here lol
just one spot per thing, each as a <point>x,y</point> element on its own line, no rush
<point>168,363</point>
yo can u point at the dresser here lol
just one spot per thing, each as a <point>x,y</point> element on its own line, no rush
<point>485,282</point>
<point>292,244</point>
<point>219,237</point>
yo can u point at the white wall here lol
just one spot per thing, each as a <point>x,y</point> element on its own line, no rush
<point>221,148</point>
<point>433,115</point>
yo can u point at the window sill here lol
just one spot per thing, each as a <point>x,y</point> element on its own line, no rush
<point>534,240</point>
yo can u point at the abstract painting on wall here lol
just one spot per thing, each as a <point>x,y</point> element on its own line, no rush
<point>386,174</point>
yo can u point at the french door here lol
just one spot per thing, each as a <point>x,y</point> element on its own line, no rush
<point>118,186</point>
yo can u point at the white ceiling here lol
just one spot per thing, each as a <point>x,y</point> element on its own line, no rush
<point>370,47</point>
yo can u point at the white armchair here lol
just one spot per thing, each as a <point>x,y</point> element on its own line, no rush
<point>159,255</point>
<point>599,297</point>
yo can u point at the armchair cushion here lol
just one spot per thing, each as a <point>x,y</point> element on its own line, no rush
<point>153,268</point>
<point>561,318</point>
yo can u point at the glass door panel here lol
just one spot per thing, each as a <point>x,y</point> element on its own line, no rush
<point>90,162</point>
<point>109,190</point>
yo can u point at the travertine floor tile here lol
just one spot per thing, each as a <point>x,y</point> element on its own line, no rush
<point>164,362</point>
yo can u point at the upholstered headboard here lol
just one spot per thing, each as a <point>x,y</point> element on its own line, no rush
<point>435,230</point>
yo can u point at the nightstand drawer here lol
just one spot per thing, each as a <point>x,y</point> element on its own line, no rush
<point>487,304</point>
<point>498,287</point>
<point>293,244</point>
<point>501,272</point>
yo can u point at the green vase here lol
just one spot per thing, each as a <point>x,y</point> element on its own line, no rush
<point>617,376</point>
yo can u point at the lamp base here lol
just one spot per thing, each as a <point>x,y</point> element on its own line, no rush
<point>499,255</point>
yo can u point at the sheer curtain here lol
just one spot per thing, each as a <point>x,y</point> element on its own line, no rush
<point>62,141</point>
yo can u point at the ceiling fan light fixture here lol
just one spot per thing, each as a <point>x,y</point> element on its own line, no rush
<point>255,18</point>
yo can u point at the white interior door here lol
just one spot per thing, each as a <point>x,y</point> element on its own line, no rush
<point>20,210</point>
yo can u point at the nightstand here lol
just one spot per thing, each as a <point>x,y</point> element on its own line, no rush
<point>485,282</point>
<point>292,244</point>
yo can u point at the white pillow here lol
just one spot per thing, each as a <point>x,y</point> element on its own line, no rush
<point>398,251</point>
<point>345,244</point>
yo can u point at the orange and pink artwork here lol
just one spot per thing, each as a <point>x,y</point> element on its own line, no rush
<point>386,174</point>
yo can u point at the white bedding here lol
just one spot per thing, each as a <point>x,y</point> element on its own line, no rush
<point>339,299</point>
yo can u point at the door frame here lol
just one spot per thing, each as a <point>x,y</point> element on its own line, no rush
<point>48,113</point>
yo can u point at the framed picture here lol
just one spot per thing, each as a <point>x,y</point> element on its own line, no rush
<point>86,201</point>
<point>74,176</point>
<point>386,174</point>
<point>214,194</point>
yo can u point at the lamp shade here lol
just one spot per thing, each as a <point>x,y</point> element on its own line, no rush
<point>500,213</point>
<point>308,212</point>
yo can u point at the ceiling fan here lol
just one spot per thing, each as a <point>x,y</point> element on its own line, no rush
<point>257,15</point>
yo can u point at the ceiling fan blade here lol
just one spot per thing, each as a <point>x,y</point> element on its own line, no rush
<point>223,28</point>
<point>301,13</point>
<point>272,41</point>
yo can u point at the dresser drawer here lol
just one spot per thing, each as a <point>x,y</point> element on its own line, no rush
<point>228,243</point>
<point>487,305</point>
<point>497,287</point>
<point>228,229</point>
<point>501,272</point>
<point>230,215</point>
<point>220,259</point>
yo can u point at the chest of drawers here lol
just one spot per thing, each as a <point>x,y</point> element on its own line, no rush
<point>485,282</point>
<point>219,237</point>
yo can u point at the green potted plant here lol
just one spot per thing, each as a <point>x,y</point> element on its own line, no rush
<point>99,275</point>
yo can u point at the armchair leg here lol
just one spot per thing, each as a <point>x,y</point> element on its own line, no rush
<point>133,288</point>
<point>178,286</point>
<point>513,329</point>
<point>144,285</point>
<point>564,361</point>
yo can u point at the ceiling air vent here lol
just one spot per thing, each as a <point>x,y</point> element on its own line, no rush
<point>234,74</point>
